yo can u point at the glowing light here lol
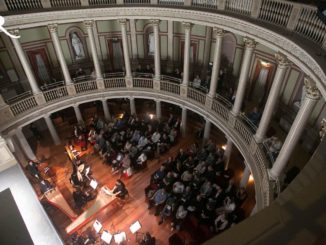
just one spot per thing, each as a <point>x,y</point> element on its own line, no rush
<point>151,116</point>
<point>251,178</point>
<point>224,147</point>
<point>265,64</point>
<point>120,116</point>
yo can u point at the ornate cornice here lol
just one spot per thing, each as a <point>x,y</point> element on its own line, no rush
<point>282,60</point>
<point>312,91</point>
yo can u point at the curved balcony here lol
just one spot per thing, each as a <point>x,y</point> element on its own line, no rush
<point>217,111</point>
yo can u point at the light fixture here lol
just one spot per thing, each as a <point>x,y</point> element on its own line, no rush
<point>224,147</point>
<point>251,178</point>
<point>151,116</point>
<point>120,116</point>
<point>265,64</point>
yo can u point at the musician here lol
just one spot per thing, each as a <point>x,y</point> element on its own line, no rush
<point>119,189</point>
<point>32,169</point>
<point>45,186</point>
<point>147,239</point>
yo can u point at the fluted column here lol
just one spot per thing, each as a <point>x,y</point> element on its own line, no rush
<point>106,111</point>
<point>207,52</point>
<point>123,25</point>
<point>245,177</point>
<point>186,59</point>
<point>170,46</point>
<point>132,106</point>
<point>133,39</point>
<point>78,114</point>
<point>53,131</point>
<point>23,59</point>
<point>272,97</point>
<point>24,144</point>
<point>216,62</point>
<point>250,45</point>
<point>227,153</point>
<point>157,53</point>
<point>300,121</point>
<point>158,110</point>
<point>207,130</point>
<point>89,27</point>
<point>184,121</point>
<point>55,39</point>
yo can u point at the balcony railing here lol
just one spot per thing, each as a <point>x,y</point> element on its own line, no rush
<point>219,108</point>
<point>296,17</point>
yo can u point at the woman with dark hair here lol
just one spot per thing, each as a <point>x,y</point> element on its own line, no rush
<point>119,189</point>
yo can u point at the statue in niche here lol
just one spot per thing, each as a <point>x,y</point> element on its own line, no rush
<point>151,44</point>
<point>77,45</point>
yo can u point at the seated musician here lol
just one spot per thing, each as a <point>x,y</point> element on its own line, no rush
<point>119,190</point>
<point>147,239</point>
<point>32,169</point>
<point>45,186</point>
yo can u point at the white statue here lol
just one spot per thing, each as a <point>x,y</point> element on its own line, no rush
<point>78,46</point>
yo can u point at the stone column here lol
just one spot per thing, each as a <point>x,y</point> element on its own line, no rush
<point>106,111</point>
<point>207,52</point>
<point>250,45</point>
<point>56,43</point>
<point>23,59</point>
<point>158,110</point>
<point>300,121</point>
<point>227,153</point>
<point>157,53</point>
<point>133,39</point>
<point>24,144</point>
<point>216,62</point>
<point>78,114</point>
<point>184,122</point>
<point>207,130</point>
<point>123,25</point>
<point>89,27</point>
<point>53,131</point>
<point>272,97</point>
<point>132,106</point>
<point>186,59</point>
<point>170,46</point>
<point>245,177</point>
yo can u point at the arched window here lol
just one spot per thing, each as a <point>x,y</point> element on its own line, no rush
<point>228,46</point>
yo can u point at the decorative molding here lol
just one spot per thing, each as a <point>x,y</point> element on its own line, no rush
<point>155,22</point>
<point>282,60</point>
<point>53,27</point>
<point>187,25</point>
<point>88,24</point>
<point>322,131</point>
<point>123,21</point>
<point>218,32</point>
<point>312,91</point>
<point>249,42</point>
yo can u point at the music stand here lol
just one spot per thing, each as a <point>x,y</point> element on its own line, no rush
<point>135,227</point>
<point>120,237</point>
<point>97,226</point>
<point>106,237</point>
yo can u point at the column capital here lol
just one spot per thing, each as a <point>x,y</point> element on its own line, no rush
<point>282,60</point>
<point>123,21</point>
<point>88,23</point>
<point>187,25</point>
<point>218,31</point>
<point>53,28</point>
<point>249,42</point>
<point>322,131</point>
<point>312,91</point>
<point>155,22</point>
<point>14,32</point>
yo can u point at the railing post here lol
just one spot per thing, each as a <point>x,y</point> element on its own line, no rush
<point>100,84</point>
<point>71,89</point>
<point>39,98</point>
<point>154,2</point>
<point>3,6</point>
<point>187,2</point>
<point>156,84</point>
<point>129,82</point>
<point>255,8</point>
<point>208,102</point>
<point>232,119</point>
<point>120,1</point>
<point>183,90</point>
<point>46,4</point>
<point>221,4</point>
<point>84,2</point>
<point>294,17</point>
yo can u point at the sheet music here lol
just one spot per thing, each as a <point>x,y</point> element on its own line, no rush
<point>135,227</point>
<point>106,237</point>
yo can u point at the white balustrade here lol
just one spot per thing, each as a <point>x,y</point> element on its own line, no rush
<point>221,110</point>
<point>170,87</point>
<point>23,105</point>
<point>275,11</point>
<point>118,82</point>
<point>205,3</point>
<point>171,2</point>
<point>243,130</point>
<point>102,2</point>
<point>56,93</point>
<point>19,97</point>
<point>171,79</point>
<point>310,26</point>
<point>142,82</point>
<point>196,95</point>
<point>137,1</point>
<point>83,87</point>
<point>239,6</point>
<point>65,3</point>
<point>14,5</point>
